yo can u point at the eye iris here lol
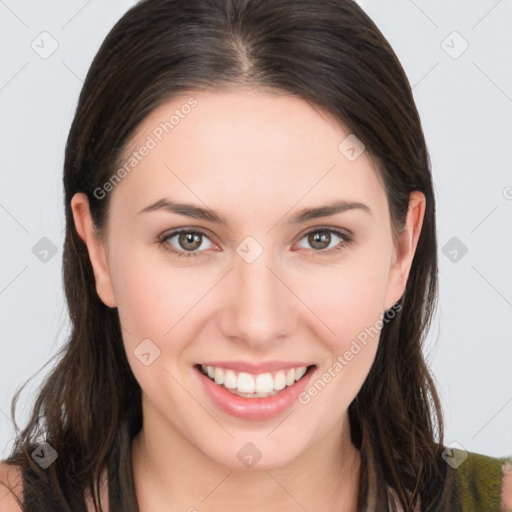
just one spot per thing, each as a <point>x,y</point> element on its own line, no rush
<point>193,238</point>
<point>191,241</point>
<point>320,237</point>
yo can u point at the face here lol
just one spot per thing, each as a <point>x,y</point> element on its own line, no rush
<point>257,285</point>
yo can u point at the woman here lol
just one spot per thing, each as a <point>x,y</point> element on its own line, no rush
<point>250,265</point>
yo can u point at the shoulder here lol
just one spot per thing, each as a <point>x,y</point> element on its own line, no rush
<point>11,490</point>
<point>477,481</point>
<point>506,490</point>
<point>11,485</point>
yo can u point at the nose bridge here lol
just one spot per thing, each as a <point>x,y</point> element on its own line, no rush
<point>260,304</point>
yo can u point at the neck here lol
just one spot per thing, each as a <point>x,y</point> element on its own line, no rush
<point>167,469</point>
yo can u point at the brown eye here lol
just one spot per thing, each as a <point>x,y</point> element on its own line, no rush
<point>189,241</point>
<point>323,240</point>
<point>319,239</point>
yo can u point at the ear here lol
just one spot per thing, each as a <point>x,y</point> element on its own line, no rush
<point>403,254</point>
<point>95,247</point>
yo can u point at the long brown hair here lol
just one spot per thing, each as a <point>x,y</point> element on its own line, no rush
<point>329,53</point>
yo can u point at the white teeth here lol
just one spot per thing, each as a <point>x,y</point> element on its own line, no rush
<point>218,374</point>
<point>264,383</point>
<point>230,380</point>
<point>245,383</point>
<point>299,373</point>
<point>254,386</point>
<point>280,381</point>
<point>252,395</point>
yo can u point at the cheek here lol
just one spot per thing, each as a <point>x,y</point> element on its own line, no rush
<point>351,305</point>
<point>155,302</point>
<point>158,302</point>
<point>153,294</point>
<point>347,298</point>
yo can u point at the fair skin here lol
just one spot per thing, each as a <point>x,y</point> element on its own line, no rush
<point>257,159</point>
<point>251,157</point>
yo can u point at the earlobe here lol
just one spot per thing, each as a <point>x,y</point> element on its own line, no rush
<point>404,252</point>
<point>95,248</point>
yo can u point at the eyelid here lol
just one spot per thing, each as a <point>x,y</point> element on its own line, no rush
<point>346,235</point>
<point>335,229</point>
<point>167,235</point>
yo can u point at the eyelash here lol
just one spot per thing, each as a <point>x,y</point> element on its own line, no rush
<point>163,239</point>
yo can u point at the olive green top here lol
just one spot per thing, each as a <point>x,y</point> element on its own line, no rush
<point>474,481</point>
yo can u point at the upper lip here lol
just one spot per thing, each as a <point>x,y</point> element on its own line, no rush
<point>256,368</point>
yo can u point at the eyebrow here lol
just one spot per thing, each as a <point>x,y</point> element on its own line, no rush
<point>196,212</point>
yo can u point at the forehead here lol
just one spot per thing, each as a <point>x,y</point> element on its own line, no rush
<point>243,144</point>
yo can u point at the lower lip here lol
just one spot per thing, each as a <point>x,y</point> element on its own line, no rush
<point>254,409</point>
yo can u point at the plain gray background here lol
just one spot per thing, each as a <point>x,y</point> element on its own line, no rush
<point>464,96</point>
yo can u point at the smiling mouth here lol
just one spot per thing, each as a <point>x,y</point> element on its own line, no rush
<point>249,385</point>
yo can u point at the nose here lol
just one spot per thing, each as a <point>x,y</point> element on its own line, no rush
<point>260,309</point>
